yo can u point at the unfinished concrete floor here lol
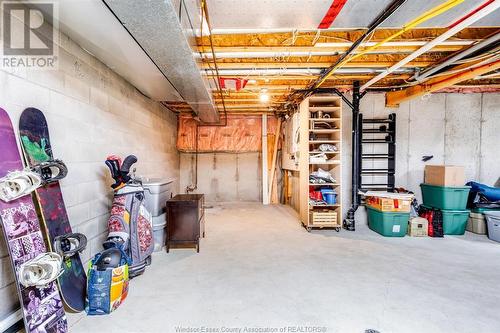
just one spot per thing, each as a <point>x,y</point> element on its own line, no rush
<point>259,268</point>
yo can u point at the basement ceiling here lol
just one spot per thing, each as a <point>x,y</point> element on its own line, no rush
<point>260,15</point>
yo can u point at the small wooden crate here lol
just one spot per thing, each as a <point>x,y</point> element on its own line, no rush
<point>324,217</point>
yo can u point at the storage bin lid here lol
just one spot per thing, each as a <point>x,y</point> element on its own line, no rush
<point>389,195</point>
<point>447,187</point>
<point>476,215</point>
<point>450,211</point>
<point>492,213</point>
<point>156,185</point>
<point>387,213</point>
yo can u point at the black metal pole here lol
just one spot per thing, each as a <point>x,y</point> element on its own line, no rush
<point>357,123</point>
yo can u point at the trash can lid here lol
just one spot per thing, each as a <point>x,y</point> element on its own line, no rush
<point>155,181</point>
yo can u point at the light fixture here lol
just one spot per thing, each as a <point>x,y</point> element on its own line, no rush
<point>264,96</point>
<point>252,81</point>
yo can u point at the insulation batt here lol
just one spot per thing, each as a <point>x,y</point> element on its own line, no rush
<point>242,134</point>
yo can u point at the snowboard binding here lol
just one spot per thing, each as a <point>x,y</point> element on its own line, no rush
<point>70,244</point>
<point>41,271</point>
<point>17,184</point>
<point>51,171</point>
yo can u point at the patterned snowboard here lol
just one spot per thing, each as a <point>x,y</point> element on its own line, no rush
<point>35,141</point>
<point>42,308</point>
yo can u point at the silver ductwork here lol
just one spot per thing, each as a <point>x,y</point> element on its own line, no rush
<point>156,26</point>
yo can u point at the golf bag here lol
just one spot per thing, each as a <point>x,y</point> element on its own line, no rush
<point>130,226</point>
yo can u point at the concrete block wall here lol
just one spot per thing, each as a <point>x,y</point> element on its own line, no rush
<point>457,129</point>
<point>92,112</point>
<point>224,177</point>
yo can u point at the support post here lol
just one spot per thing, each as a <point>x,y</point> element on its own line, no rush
<point>265,178</point>
<point>357,124</point>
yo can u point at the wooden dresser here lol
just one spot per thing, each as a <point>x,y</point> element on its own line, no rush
<point>185,220</point>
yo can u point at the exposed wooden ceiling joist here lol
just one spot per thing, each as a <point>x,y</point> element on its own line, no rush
<point>375,64</point>
<point>310,38</point>
<point>278,64</point>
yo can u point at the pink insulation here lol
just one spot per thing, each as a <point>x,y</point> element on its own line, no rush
<point>242,134</point>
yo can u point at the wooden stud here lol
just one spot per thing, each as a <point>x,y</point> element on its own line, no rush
<point>275,155</point>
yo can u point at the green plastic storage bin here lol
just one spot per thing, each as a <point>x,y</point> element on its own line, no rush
<point>454,221</point>
<point>441,197</point>
<point>388,224</point>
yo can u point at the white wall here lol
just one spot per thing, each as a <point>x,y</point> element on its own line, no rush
<point>92,113</point>
<point>458,129</point>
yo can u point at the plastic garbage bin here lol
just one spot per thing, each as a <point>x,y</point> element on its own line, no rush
<point>493,220</point>
<point>156,193</point>
<point>159,231</point>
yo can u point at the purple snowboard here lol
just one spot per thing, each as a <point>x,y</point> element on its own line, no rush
<point>42,308</point>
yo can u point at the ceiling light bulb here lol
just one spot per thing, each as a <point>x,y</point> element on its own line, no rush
<point>264,98</point>
<point>252,81</point>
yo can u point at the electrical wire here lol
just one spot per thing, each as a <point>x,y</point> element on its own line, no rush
<point>447,73</point>
<point>415,22</point>
<point>205,15</point>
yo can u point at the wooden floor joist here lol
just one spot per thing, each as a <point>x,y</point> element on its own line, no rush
<point>332,49</point>
<point>394,98</point>
<point>283,65</point>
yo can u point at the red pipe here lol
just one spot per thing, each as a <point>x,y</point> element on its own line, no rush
<point>470,14</point>
<point>331,14</point>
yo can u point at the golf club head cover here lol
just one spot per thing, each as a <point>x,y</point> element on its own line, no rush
<point>127,164</point>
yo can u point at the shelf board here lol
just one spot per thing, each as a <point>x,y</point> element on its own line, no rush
<point>327,162</point>
<point>325,119</point>
<point>321,206</point>
<point>325,184</point>
<point>324,130</point>
<point>324,97</point>
<point>326,152</point>
<point>324,108</point>
<point>323,141</point>
<point>325,225</point>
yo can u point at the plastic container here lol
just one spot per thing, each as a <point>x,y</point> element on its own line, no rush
<point>476,223</point>
<point>159,231</point>
<point>455,221</point>
<point>493,221</point>
<point>481,210</point>
<point>388,224</point>
<point>418,227</point>
<point>330,196</point>
<point>449,198</point>
<point>156,193</point>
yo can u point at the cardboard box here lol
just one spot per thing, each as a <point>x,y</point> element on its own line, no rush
<point>417,227</point>
<point>444,175</point>
<point>389,204</point>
